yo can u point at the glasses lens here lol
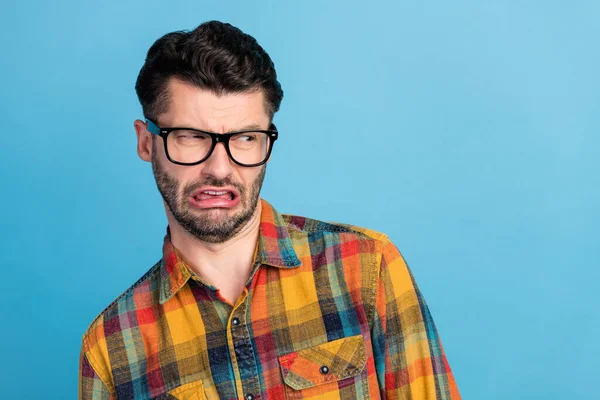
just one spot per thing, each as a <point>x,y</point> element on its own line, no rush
<point>249,147</point>
<point>188,146</point>
<point>246,148</point>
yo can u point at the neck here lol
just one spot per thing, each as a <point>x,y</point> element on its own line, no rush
<point>226,265</point>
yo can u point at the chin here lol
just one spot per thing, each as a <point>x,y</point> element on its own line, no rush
<point>219,213</point>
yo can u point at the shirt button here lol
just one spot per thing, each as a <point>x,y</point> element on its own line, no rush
<point>324,370</point>
<point>235,321</point>
<point>249,396</point>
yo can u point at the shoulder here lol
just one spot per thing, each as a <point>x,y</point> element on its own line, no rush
<point>355,256</point>
<point>308,226</point>
<point>352,239</point>
<point>124,303</point>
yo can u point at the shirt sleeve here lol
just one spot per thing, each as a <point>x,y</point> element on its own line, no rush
<point>91,386</point>
<point>409,358</point>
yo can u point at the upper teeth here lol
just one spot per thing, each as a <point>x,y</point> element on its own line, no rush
<point>212,192</point>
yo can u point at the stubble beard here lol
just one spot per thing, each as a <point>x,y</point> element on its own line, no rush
<point>206,226</point>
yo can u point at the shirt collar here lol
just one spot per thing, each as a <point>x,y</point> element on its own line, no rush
<point>274,248</point>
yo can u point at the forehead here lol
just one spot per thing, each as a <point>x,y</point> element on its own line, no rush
<point>191,106</point>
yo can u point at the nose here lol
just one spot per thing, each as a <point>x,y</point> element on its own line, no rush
<point>218,165</point>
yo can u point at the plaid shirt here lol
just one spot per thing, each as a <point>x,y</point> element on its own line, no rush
<point>330,311</point>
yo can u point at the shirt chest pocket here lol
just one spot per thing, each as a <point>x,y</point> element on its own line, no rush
<point>329,370</point>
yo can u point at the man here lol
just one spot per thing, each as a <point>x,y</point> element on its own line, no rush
<point>247,303</point>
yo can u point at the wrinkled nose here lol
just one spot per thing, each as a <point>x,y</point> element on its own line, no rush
<point>218,165</point>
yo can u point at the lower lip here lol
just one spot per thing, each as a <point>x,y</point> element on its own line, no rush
<point>217,202</point>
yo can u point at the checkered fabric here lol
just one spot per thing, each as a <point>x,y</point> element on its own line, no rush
<point>330,311</point>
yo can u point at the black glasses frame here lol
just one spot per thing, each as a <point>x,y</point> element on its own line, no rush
<point>216,138</point>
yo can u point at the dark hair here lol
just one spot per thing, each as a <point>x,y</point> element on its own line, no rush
<point>215,56</point>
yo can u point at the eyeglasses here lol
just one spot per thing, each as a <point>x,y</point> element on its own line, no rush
<point>187,146</point>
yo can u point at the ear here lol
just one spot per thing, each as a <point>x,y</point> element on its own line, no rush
<point>144,140</point>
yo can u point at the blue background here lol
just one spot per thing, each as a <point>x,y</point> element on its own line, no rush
<point>466,130</point>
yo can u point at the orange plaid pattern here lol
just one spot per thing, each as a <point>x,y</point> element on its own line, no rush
<point>330,311</point>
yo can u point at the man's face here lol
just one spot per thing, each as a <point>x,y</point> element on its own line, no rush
<point>214,200</point>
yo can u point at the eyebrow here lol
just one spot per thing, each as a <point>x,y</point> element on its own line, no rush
<point>250,127</point>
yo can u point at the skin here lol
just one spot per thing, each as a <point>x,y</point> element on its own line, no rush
<point>217,244</point>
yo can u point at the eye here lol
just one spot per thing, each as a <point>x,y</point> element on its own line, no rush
<point>189,135</point>
<point>246,138</point>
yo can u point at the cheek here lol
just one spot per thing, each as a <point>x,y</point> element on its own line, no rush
<point>187,175</point>
<point>249,176</point>
<point>180,174</point>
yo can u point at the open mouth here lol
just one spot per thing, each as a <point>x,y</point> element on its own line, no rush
<point>215,198</point>
<point>213,194</point>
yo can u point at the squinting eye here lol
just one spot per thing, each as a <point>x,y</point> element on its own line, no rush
<point>246,138</point>
<point>190,136</point>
